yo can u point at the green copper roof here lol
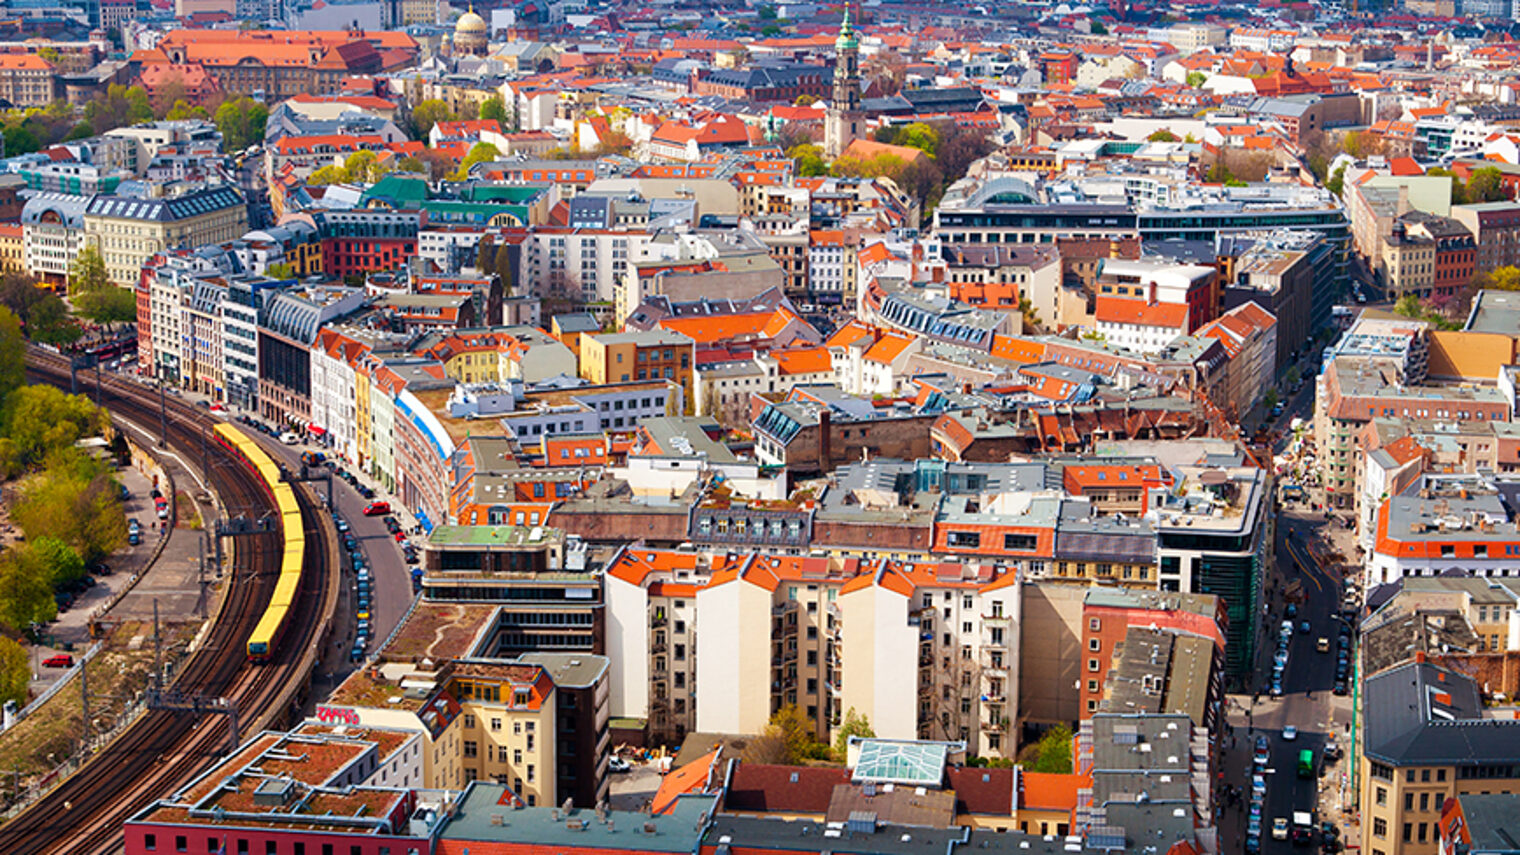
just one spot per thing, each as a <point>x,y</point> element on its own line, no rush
<point>847,40</point>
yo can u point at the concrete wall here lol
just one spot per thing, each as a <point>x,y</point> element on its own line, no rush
<point>1050,655</point>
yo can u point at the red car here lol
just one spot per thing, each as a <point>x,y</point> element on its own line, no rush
<point>377,509</point>
<point>62,660</point>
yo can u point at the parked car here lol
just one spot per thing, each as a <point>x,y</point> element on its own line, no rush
<point>289,438</point>
<point>618,764</point>
<point>377,509</point>
<point>1289,733</point>
<point>60,660</point>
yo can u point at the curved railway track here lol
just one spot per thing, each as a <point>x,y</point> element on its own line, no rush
<point>163,750</point>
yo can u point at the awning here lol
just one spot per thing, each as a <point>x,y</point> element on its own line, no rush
<point>422,517</point>
<point>316,430</point>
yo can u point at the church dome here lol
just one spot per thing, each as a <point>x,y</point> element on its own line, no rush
<point>471,24</point>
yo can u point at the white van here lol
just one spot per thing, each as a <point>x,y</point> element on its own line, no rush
<point>289,438</point>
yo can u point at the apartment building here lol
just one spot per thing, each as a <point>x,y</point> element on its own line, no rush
<point>1425,740</point>
<point>484,718</point>
<point>1446,522</point>
<point>129,231</point>
<point>833,634</point>
<point>1195,625</point>
<point>634,356</point>
<point>27,80</point>
<point>1495,229</point>
<point>52,234</point>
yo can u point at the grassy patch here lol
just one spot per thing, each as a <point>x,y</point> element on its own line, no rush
<point>187,511</point>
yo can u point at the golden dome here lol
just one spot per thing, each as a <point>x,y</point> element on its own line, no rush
<point>472,23</point>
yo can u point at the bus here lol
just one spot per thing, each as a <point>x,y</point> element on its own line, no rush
<point>1306,763</point>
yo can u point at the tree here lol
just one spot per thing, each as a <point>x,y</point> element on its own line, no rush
<point>1163,135</point>
<point>1051,754</point>
<point>918,135</point>
<point>1485,184</point>
<point>493,109</point>
<point>767,13</point>
<point>324,175</point>
<point>75,501</point>
<point>80,131</point>
<point>40,420</point>
<point>20,140</point>
<point>26,597</point>
<point>805,101</point>
<point>809,160</point>
<point>796,735</point>
<point>12,353</point>
<point>503,264</point>
<point>15,671</point>
<point>49,322</point>
<point>479,153</point>
<point>241,121</point>
<point>427,114</point>
<point>280,270</point>
<point>184,110</point>
<point>56,560</point>
<point>853,725</point>
<point>1219,173</point>
<point>1196,79</point>
<point>118,106</point>
<point>485,254</point>
<point>1505,278</point>
<point>88,272</point>
<point>107,305</point>
<point>1337,182</point>
<point>1408,306</point>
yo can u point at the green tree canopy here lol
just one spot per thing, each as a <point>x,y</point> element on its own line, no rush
<point>12,353</point>
<point>479,153</point>
<point>1485,184</point>
<point>88,273</point>
<point>41,420</point>
<point>183,109</point>
<point>73,500</point>
<point>918,135</point>
<point>58,562</point>
<point>109,305</point>
<point>796,734</point>
<point>1162,135</point>
<point>280,270</point>
<point>241,121</point>
<point>852,725</point>
<point>15,672</point>
<point>1196,79</point>
<point>493,109</point>
<point>1051,754</point>
<point>26,596</point>
<point>809,160</point>
<point>427,114</point>
<point>1337,182</point>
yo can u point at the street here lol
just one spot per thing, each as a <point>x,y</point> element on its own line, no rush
<point>1307,702</point>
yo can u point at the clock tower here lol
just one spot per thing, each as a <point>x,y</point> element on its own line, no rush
<point>844,122</point>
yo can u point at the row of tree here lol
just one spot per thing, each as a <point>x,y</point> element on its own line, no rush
<point>64,500</point>
<point>951,149</point>
<point>241,120</point>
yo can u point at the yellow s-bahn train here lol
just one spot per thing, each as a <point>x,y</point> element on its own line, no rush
<point>276,617</point>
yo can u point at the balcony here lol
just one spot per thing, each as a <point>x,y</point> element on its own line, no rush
<point>658,647</point>
<point>657,622</point>
<point>995,621</point>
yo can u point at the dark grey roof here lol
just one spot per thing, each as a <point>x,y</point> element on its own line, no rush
<point>1493,822</point>
<point>1421,714</point>
<point>165,209</point>
<point>764,76</point>
<point>960,100</point>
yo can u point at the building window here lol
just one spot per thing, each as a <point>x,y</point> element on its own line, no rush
<point>1379,827</point>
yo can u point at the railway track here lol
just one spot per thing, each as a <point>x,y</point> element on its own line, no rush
<point>164,750</point>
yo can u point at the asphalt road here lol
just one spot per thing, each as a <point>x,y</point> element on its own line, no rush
<point>392,575</point>
<point>1308,679</point>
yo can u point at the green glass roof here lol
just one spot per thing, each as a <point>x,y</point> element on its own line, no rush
<point>885,761</point>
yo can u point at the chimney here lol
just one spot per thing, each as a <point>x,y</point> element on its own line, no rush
<point>1419,657</point>
<point>1404,207</point>
<point>824,440</point>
